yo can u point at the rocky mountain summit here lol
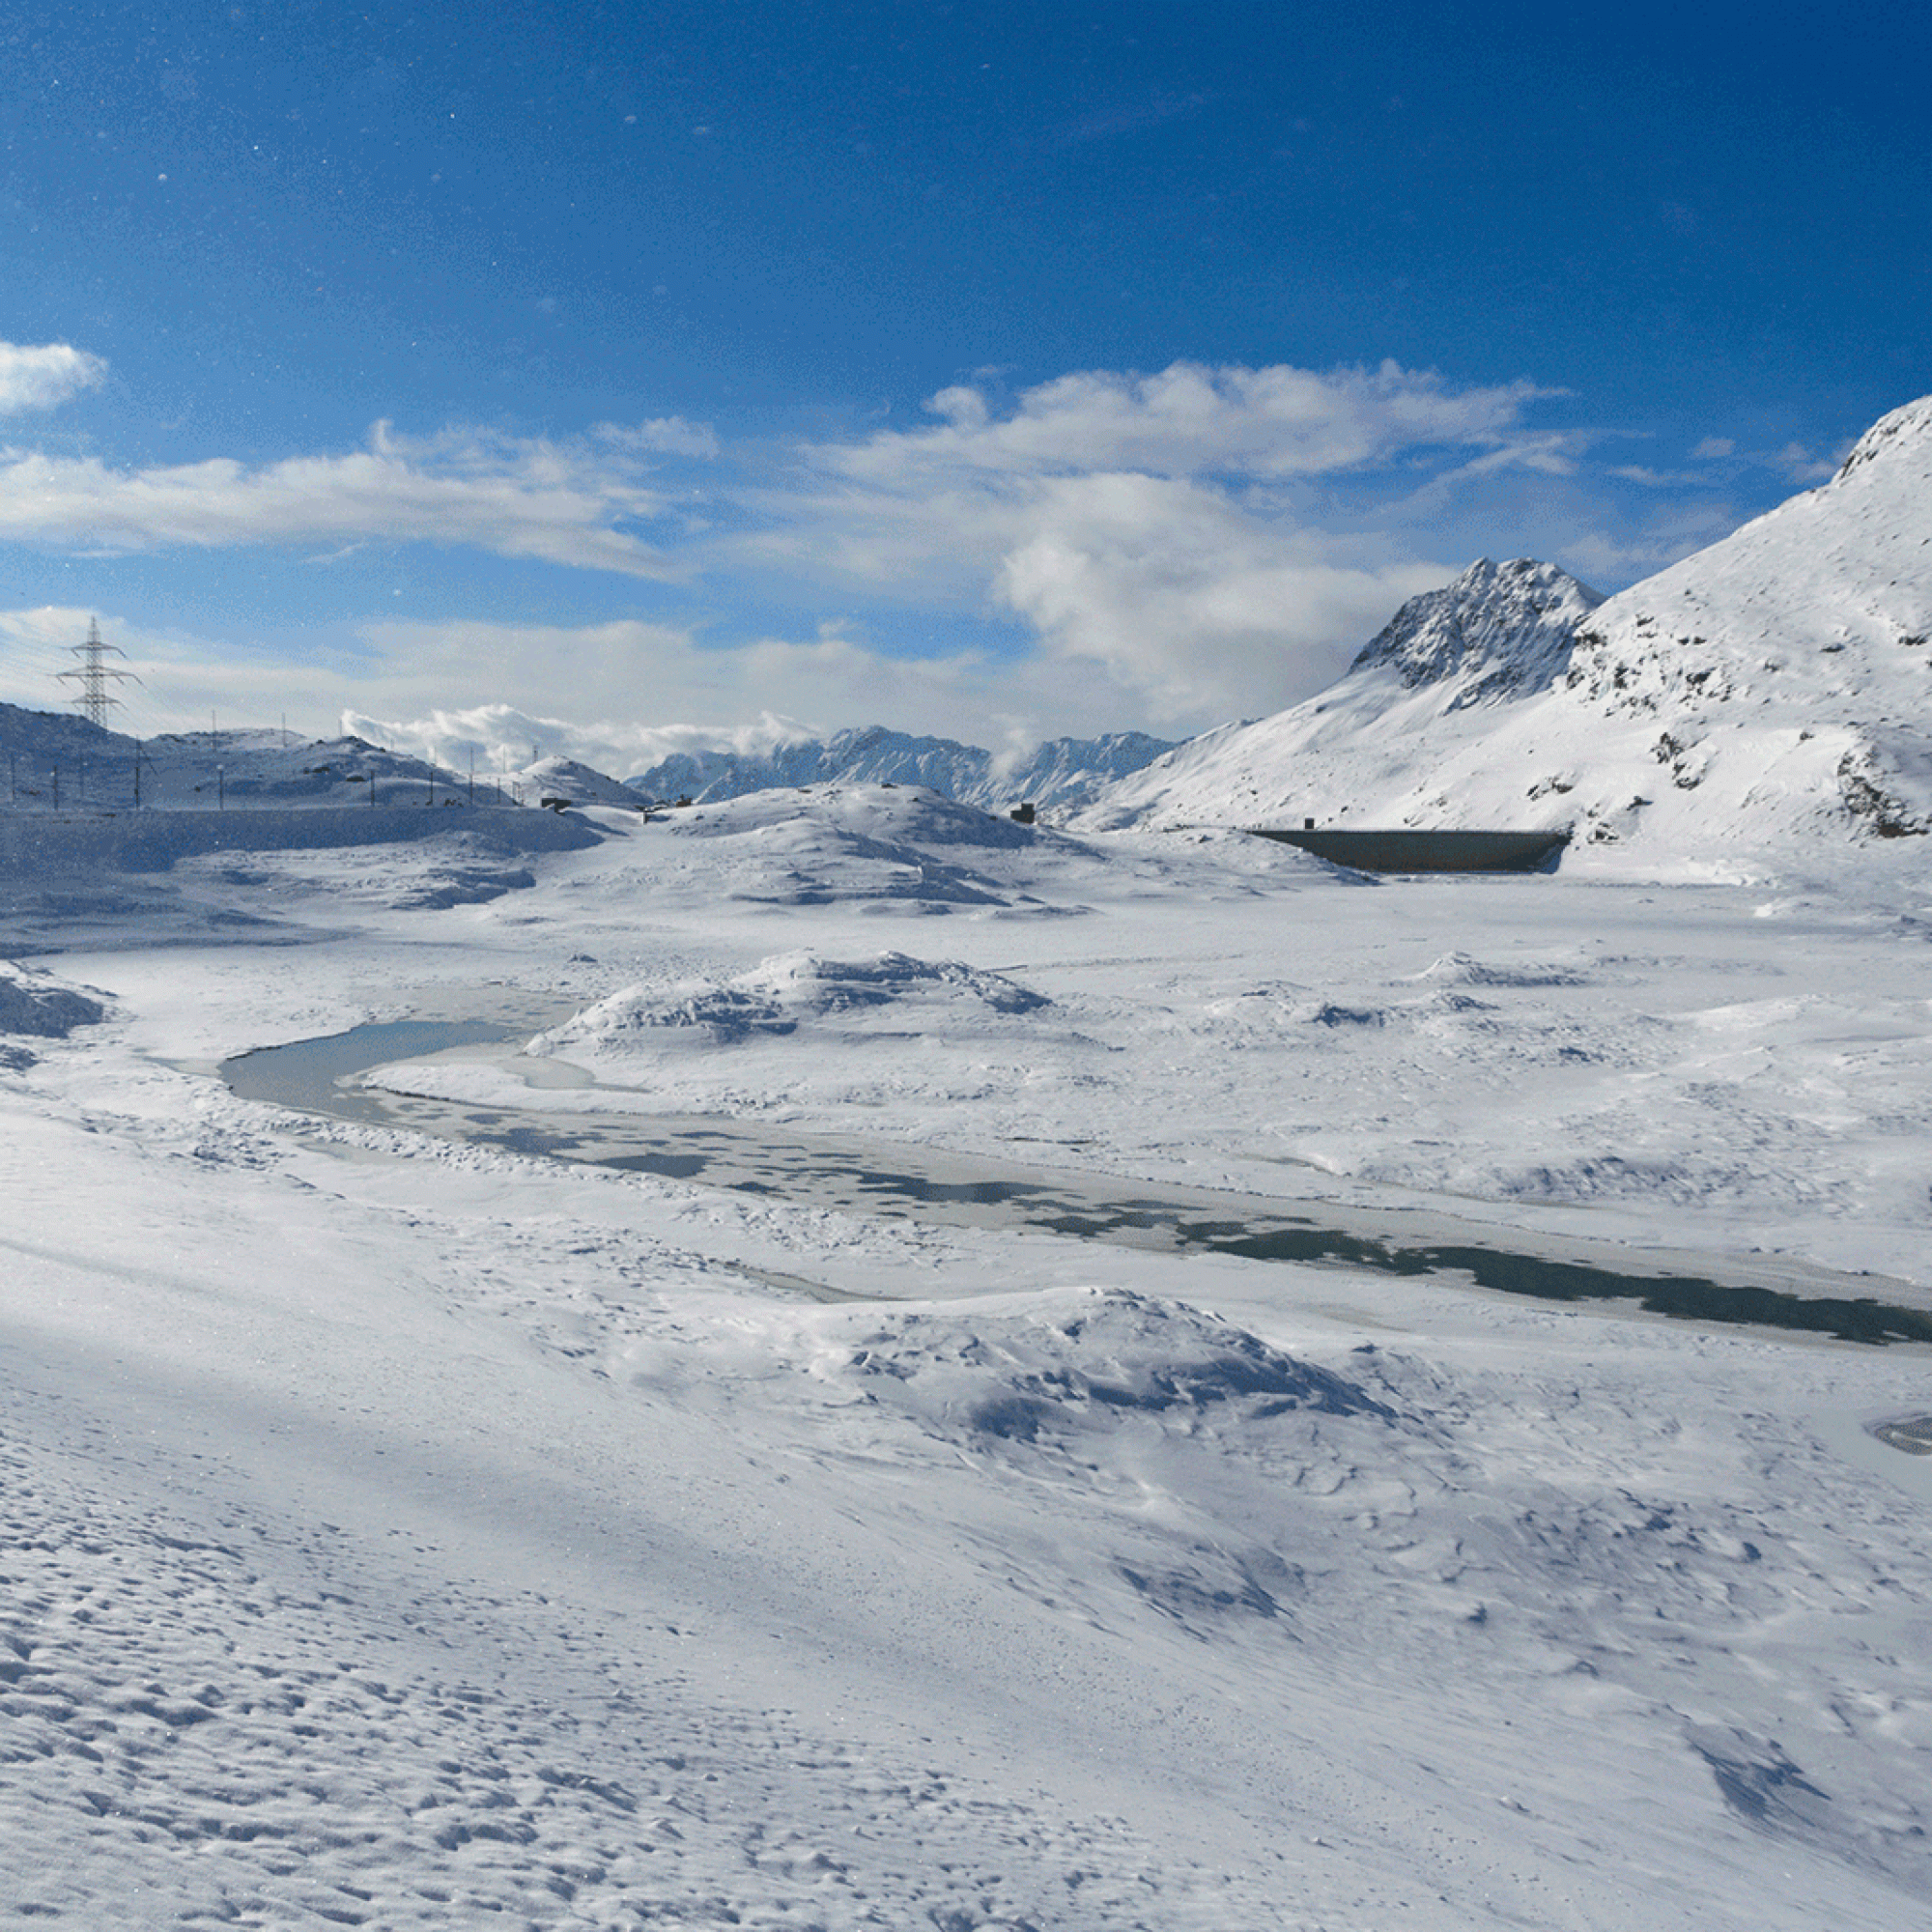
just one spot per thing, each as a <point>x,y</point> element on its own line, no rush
<point>1501,630</point>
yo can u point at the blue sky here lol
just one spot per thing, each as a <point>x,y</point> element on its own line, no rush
<point>992,369</point>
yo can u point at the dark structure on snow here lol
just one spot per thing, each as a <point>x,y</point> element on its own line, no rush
<point>1410,851</point>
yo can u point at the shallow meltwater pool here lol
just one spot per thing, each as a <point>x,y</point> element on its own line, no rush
<point>861,1176</point>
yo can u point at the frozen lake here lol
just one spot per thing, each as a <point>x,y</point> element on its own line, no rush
<point>850,1173</point>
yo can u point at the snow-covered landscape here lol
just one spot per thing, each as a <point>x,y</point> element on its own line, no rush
<point>912,1492</point>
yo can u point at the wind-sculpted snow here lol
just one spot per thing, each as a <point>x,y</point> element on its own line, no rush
<point>36,1004</point>
<point>572,780</point>
<point>1460,969</point>
<point>892,993</point>
<point>1762,699</point>
<point>1057,1372</point>
<point>892,849</point>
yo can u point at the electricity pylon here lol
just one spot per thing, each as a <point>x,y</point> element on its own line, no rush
<point>95,699</point>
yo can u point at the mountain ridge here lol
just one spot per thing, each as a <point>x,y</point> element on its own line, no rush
<point>1771,688</point>
<point>1063,771</point>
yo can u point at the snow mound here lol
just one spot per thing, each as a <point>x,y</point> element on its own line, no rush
<point>33,1003</point>
<point>889,848</point>
<point>783,993</point>
<point>902,814</point>
<point>1068,1365</point>
<point>1459,969</point>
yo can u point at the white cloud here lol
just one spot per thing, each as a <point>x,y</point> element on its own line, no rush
<point>1161,526</point>
<point>516,498</point>
<point>1194,421</point>
<point>1185,547</point>
<point>1184,595</point>
<point>45,377</point>
<point>1713,446</point>
<point>1800,464</point>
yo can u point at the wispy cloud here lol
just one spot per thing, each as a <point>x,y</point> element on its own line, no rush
<point>1106,548</point>
<point>666,435</point>
<point>1192,420</point>
<point>45,377</point>
<point>565,502</point>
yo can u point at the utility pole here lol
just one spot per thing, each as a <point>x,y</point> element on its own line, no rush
<point>94,675</point>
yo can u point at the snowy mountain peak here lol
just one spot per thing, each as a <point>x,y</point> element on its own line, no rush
<point>1501,629</point>
<point>1769,692</point>
<point>1905,433</point>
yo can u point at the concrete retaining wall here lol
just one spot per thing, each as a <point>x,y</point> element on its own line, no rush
<point>1407,851</point>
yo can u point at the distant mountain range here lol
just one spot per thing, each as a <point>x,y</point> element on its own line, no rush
<point>1063,773</point>
<point>1777,685</point>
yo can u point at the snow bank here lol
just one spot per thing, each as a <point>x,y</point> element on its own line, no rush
<point>33,1003</point>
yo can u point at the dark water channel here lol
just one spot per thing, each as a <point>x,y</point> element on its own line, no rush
<point>852,1174</point>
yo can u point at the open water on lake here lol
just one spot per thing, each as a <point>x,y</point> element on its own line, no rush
<point>918,1183</point>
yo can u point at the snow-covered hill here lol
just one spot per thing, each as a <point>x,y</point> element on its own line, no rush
<point>1772,688</point>
<point>57,761</point>
<point>568,779</point>
<point>1064,772</point>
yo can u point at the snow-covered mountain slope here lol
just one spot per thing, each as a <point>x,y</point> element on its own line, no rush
<point>1064,772</point>
<point>1770,692</point>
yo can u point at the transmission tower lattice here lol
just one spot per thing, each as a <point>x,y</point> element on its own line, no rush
<point>93,674</point>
